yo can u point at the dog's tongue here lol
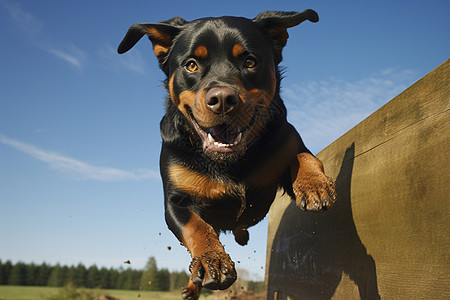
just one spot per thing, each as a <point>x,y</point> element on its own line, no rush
<point>224,133</point>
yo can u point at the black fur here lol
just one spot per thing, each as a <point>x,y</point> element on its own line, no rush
<point>225,55</point>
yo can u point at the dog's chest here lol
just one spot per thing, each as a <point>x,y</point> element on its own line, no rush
<point>230,212</point>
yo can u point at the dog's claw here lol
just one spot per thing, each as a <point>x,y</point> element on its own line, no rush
<point>314,193</point>
<point>190,292</point>
<point>201,272</point>
<point>213,270</point>
<point>302,204</point>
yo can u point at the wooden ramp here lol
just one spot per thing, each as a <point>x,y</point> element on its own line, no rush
<point>388,236</point>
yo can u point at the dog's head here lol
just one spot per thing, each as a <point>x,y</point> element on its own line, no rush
<point>222,74</point>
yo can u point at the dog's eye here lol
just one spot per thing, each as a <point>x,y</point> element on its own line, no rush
<point>250,62</point>
<point>191,66</point>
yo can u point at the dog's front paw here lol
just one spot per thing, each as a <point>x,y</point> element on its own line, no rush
<point>314,192</point>
<point>213,270</point>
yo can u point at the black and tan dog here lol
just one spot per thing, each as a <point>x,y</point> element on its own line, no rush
<point>226,144</point>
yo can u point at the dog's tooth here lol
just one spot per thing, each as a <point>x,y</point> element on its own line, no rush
<point>221,145</point>
<point>211,139</point>
<point>238,139</point>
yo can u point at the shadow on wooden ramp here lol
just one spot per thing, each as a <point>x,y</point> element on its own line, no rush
<point>316,249</point>
<point>388,234</point>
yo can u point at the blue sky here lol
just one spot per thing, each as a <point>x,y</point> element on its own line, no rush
<point>79,124</point>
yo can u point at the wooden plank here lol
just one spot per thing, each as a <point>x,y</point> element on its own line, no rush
<point>388,235</point>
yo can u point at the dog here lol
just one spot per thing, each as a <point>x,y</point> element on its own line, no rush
<point>226,144</point>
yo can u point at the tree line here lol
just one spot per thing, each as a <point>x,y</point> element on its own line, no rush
<point>151,278</point>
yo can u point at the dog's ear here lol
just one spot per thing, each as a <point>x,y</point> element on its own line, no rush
<point>274,24</point>
<point>160,34</point>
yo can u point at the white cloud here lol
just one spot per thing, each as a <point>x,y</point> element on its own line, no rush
<point>76,168</point>
<point>72,55</point>
<point>131,61</point>
<point>322,111</point>
<point>22,18</point>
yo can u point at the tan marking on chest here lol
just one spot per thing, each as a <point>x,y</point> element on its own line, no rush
<point>197,184</point>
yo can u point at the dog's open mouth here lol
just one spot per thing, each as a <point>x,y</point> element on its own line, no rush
<point>220,138</point>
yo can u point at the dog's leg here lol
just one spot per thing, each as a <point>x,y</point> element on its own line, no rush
<point>313,190</point>
<point>211,266</point>
<point>241,236</point>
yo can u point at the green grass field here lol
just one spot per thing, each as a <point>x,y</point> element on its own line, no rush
<point>8,292</point>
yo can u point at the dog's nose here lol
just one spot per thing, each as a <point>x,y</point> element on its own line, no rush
<point>221,100</point>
